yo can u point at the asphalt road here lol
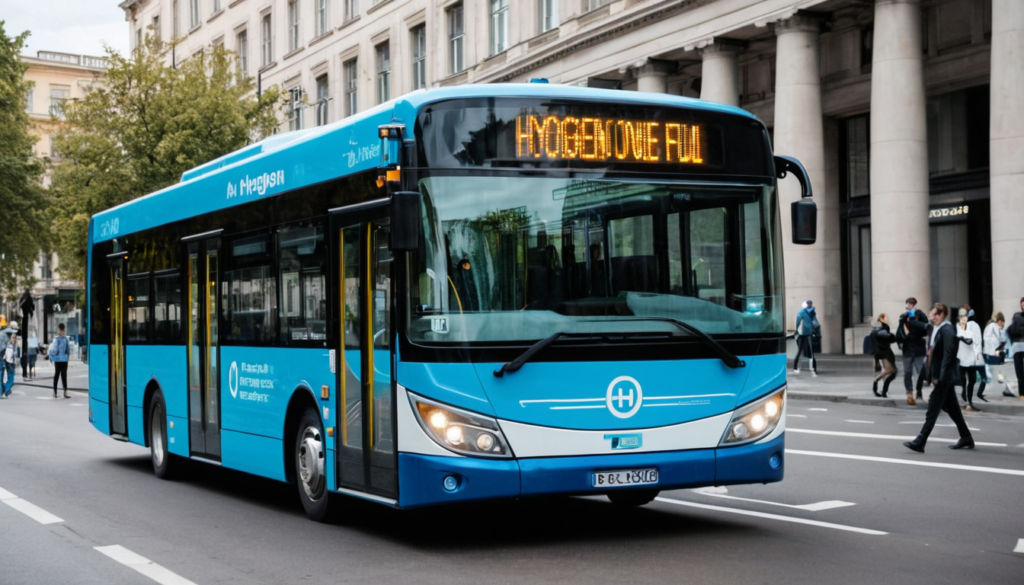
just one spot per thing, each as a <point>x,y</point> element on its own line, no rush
<point>855,507</point>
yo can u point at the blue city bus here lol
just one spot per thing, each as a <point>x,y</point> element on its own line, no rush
<point>471,293</point>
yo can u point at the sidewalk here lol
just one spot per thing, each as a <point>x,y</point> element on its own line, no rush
<point>78,376</point>
<point>843,378</point>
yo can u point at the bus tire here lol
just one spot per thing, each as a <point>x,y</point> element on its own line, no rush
<point>310,461</point>
<point>633,498</point>
<point>165,465</point>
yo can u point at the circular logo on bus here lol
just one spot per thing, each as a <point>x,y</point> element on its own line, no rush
<point>233,379</point>
<point>624,396</point>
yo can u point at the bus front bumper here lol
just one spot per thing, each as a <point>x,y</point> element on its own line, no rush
<point>426,480</point>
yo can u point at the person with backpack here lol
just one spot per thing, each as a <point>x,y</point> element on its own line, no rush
<point>806,325</point>
<point>943,365</point>
<point>59,356</point>
<point>11,354</point>
<point>881,342</point>
<point>1015,332</point>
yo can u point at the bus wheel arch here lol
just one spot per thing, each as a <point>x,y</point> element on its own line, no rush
<point>152,387</point>
<point>301,400</point>
<point>306,454</point>
<point>165,464</point>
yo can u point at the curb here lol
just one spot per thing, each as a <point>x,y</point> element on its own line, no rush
<point>991,408</point>
<point>50,387</point>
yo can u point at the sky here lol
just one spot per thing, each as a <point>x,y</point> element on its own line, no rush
<point>81,27</point>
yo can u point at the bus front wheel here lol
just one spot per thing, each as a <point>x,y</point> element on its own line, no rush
<point>164,464</point>
<point>310,456</point>
<point>633,498</point>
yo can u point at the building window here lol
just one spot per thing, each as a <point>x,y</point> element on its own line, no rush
<point>351,85</point>
<point>293,25</point>
<point>267,54</point>
<point>857,159</point>
<point>419,57</point>
<point>175,20</point>
<point>548,11</point>
<point>138,38</point>
<point>193,14</point>
<point>54,155</point>
<point>216,7</point>
<point>456,39</point>
<point>383,72</point>
<point>595,4</point>
<point>242,46</point>
<point>156,28</point>
<point>58,95</point>
<point>351,9</point>
<point>322,97</point>
<point>29,99</point>
<point>295,108</point>
<point>322,20</point>
<point>499,26</point>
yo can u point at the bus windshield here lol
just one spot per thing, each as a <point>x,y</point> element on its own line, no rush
<point>508,258</point>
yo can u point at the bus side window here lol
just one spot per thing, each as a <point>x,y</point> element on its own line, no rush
<point>302,254</point>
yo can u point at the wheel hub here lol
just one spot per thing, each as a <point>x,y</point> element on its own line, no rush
<point>310,457</point>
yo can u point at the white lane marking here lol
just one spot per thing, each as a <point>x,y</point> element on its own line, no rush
<point>27,508</point>
<point>774,517</point>
<point>143,565</point>
<point>790,415</point>
<point>874,436</point>
<point>862,422</point>
<point>921,422</point>
<point>1020,546</point>
<point>816,507</point>
<point>907,462</point>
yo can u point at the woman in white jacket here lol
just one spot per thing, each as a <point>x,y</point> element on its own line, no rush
<point>969,355</point>
<point>994,350</point>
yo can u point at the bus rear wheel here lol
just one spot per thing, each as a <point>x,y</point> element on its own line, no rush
<point>164,464</point>
<point>633,498</point>
<point>310,456</point>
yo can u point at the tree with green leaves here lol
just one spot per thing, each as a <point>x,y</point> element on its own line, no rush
<point>142,127</point>
<point>23,219</point>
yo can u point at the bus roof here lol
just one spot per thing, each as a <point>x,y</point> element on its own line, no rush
<point>297,159</point>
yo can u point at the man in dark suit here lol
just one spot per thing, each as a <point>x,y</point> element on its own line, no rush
<point>943,366</point>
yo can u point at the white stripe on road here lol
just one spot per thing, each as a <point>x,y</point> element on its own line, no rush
<point>818,409</point>
<point>143,565</point>
<point>921,422</point>
<point>1020,546</point>
<point>862,422</point>
<point>907,462</point>
<point>774,517</point>
<point>790,415</point>
<point>816,507</point>
<point>27,508</point>
<point>874,436</point>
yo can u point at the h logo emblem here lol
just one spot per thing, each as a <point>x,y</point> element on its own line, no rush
<point>624,397</point>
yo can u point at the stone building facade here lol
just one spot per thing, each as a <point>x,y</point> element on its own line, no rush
<point>906,113</point>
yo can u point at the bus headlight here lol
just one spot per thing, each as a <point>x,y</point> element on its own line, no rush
<point>461,431</point>
<point>755,420</point>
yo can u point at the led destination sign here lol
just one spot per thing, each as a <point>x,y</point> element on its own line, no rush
<point>600,139</point>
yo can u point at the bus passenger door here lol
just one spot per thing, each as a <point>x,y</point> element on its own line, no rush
<point>202,348</point>
<point>118,385</point>
<point>367,458</point>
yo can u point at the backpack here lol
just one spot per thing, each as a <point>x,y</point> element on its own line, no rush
<point>868,347</point>
<point>9,354</point>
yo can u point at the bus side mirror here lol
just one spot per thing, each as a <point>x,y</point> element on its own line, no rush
<point>804,212</point>
<point>805,221</point>
<point>406,220</point>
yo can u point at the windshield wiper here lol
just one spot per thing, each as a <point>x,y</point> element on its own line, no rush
<point>516,364</point>
<point>723,354</point>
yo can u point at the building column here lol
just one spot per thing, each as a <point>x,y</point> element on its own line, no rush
<point>1006,155</point>
<point>900,245</point>
<point>812,272</point>
<point>720,76</point>
<point>652,75</point>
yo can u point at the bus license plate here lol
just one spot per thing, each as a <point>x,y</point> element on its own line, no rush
<point>625,478</point>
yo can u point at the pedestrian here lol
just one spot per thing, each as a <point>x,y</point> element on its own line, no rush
<point>970,357</point>
<point>910,334</point>
<point>10,359</point>
<point>994,348</point>
<point>33,353</point>
<point>1015,332</point>
<point>881,340</point>
<point>806,325</point>
<point>59,356</point>
<point>943,365</point>
<point>5,340</point>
